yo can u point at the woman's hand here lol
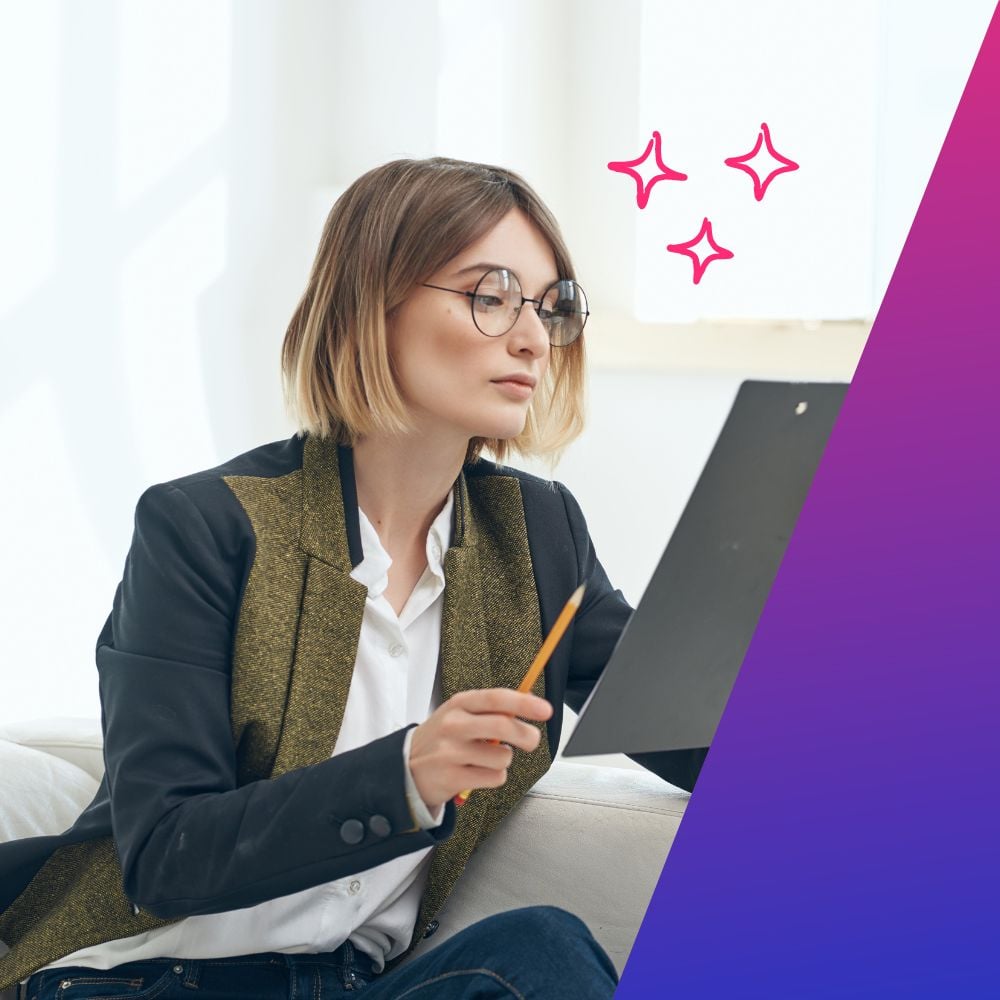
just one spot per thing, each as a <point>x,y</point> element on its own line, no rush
<point>449,753</point>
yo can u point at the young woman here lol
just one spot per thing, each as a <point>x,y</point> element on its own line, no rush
<point>314,646</point>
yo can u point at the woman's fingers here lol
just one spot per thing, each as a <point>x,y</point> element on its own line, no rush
<point>491,714</point>
<point>463,727</point>
<point>503,701</point>
<point>493,756</point>
<point>462,744</point>
<point>481,777</point>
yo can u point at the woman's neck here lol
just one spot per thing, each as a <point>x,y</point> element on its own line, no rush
<point>402,485</point>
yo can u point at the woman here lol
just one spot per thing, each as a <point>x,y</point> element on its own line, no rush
<point>373,588</point>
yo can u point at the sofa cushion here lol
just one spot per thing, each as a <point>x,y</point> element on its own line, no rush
<point>39,793</point>
<point>589,839</point>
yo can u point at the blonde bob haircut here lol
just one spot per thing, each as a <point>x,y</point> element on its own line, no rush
<point>389,231</point>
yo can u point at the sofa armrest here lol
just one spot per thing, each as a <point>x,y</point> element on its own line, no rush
<point>78,741</point>
<point>589,839</point>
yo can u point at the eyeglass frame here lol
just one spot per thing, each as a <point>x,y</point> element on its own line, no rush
<point>537,303</point>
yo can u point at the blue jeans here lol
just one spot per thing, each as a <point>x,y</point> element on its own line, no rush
<point>537,952</point>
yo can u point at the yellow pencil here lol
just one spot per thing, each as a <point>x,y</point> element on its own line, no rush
<point>542,657</point>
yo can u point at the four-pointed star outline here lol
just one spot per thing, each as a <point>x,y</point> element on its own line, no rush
<point>700,263</point>
<point>743,162</point>
<point>643,187</point>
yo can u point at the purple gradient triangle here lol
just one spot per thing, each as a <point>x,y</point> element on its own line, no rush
<point>843,839</point>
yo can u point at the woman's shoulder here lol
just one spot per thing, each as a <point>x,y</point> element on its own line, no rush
<point>206,498</point>
<point>546,502</point>
<point>267,461</point>
<point>483,468</point>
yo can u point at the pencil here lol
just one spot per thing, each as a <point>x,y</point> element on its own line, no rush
<point>542,657</point>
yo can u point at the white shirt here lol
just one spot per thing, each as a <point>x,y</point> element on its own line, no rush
<point>394,683</point>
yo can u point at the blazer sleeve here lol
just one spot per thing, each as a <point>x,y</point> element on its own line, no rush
<point>189,839</point>
<point>596,629</point>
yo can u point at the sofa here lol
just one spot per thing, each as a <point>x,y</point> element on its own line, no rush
<point>591,839</point>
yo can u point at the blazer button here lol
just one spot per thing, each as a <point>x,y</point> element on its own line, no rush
<point>352,831</point>
<point>380,826</point>
<point>431,928</point>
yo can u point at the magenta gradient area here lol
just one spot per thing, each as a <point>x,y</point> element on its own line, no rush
<point>844,839</point>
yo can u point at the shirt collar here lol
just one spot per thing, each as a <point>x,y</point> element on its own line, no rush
<point>373,570</point>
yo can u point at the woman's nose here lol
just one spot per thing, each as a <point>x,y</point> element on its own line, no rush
<point>529,331</point>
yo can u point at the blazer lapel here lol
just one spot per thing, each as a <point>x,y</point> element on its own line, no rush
<point>465,663</point>
<point>264,644</point>
<point>333,605</point>
<point>490,632</point>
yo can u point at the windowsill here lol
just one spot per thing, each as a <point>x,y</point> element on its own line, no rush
<point>814,350</point>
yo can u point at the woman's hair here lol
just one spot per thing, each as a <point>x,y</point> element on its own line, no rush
<point>389,231</point>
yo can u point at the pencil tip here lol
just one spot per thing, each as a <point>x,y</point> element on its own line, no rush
<point>577,597</point>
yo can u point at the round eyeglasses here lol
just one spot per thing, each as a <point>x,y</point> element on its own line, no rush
<point>497,299</point>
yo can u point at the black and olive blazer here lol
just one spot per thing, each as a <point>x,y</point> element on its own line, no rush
<point>224,671</point>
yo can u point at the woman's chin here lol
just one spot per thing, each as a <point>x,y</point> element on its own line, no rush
<point>502,430</point>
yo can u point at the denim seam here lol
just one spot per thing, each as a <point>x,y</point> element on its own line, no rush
<point>135,981</point>
<point>158,987</point>
<point>235,961</point>
<point>464,972</point>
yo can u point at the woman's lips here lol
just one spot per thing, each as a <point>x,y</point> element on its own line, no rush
<point>516,390</point>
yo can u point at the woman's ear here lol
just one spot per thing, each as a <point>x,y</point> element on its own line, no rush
<point>391,325</point>
<point>392,318</point>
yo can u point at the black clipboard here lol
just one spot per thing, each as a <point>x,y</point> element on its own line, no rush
<point>671,673</point>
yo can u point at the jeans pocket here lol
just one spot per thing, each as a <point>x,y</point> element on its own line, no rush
<point>98,984</point>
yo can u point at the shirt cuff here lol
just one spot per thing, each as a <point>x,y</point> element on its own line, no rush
<point>417,805</point>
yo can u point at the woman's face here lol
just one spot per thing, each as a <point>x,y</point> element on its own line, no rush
<point>447,370</point>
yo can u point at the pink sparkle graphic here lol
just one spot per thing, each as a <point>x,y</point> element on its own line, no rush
<point>688,249</point>
<point>743,162</point>
<point>643,187</point>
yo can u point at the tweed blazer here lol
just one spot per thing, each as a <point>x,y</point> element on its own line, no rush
<point>224,670</point>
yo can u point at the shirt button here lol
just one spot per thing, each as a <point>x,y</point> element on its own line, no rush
<point>355,887</point>
<point>396,649</point>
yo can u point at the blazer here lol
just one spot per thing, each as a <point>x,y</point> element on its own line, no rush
<point>224,668</point>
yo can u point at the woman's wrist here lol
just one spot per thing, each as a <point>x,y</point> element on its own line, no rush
<point>426,816</point>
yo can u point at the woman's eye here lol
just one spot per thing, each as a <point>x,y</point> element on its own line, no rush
<point>485,301</point>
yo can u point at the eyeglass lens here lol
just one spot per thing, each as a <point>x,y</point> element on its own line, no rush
<point>497,301</point>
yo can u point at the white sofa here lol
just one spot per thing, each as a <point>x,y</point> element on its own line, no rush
<point>587,838</point>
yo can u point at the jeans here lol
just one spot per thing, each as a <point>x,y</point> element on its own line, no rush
<point>535,952</point>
